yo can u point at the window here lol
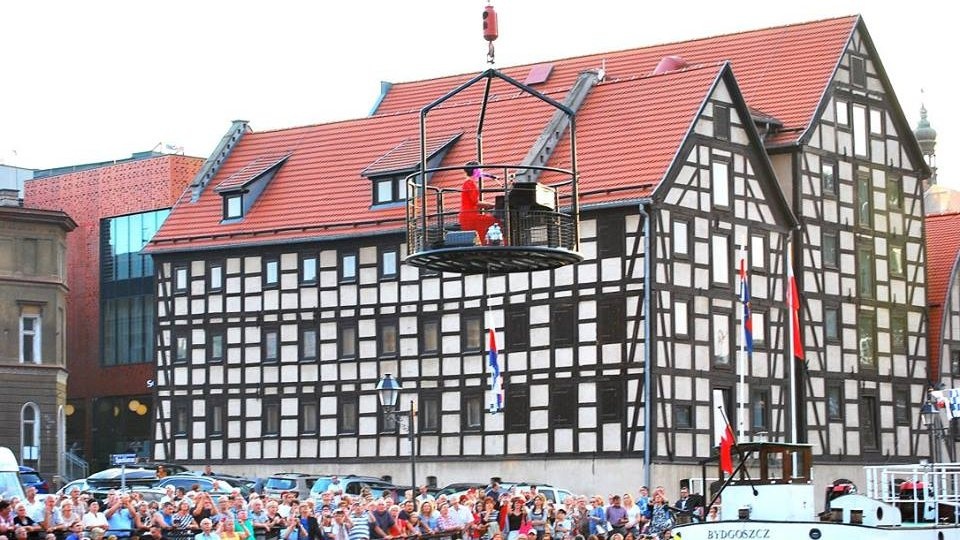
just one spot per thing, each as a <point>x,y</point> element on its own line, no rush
<point>517,327</point>
<point>181,279</point>
<point>758,253</point>
<point>127,323</point>
<point>681,318</point>
<point>308,417</point>
<point>896,260</point>
<point>831,255</point>
<point>271,417</point>
<point>720,177</point>
<point>563,405</point>
<point>271,345</point>
<point>721,339</point>
<point>610,236</point>
<point>858,72</point>
<point>831,324</point>
<point>30,351</point>
<point>181,420</point>
<point>472,415</point>
<point>517,409</point>
<point>721,259</point>
<point>898,329</point>
<point>348,340</point>
<point>681,238</point>
<point>843,113</point>
<point>271,273</point>
<point>901,407</point>
<point>389,338</point>
<point>955,363</point>
<point>429,336</point>
<point>721,122</point>
<point>387,422</point>
<point>876,121</point>
<point>472,336</point>
<point>610,401</point>
<point>308,269</point>
<point>866,338</point>
<point>563,324</point>
<point>30,431</point>
<point>828,175</point>
<point>388,264</point>
<point>181,354</point>
<point>384,191</point>
<point>216,277</point>
<point>215,345</point>
<point>894,193</point>
<point>868,423</point>
<point>429,413</point>
<point>864,199</point>
<point>348,418</point>
<point>682,416</point>
<point>348,267</point>
<point>835,402</point>
<point>611,320</point>
<point>865,271</point>
<point>759,320</point>
<point>215,416</point>
<point>308,344</point>
<point>759,409</point>
<point>233,206</point>
<point>860,130</point>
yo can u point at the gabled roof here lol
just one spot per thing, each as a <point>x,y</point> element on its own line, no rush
<point>943,262</point>
<point>253,170</point>
<point>629,132</point>
<point>782,71</point>
<point>406,155</point>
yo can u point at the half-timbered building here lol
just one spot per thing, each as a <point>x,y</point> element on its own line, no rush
<point>283,298</point>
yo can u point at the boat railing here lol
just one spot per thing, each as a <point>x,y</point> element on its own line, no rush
<point>925,491</point>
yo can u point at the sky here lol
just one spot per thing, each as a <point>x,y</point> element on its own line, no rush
<point>98,80</point>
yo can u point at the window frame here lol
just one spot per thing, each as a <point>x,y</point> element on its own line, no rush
<point>895,252</point>
<point>563,323</point>
<point>866,272</point>
<point>831,187</point>
<point>304,416</point>
<point>36,339</point>
<point>722,128</point>
<point>832,262</point>
<point>517,414</point>
<point>213,270</point>
<point>353,400</point>
<point>425,424</point>
<point>869,434</point>
<point>178,334</point>
<point>895,188</point>
<point>835,337</point>
<point>383,345</point>
<point>760,402</point>
<point>384,254</point>
<point>469,320</point>
<point>564,404</point>
<point>675,236</point>
<point>727,193</point>
<point>720,268</point>
<point>341,328</point>
<point>861,130</point>
<point>864,211</point>
<point>901,407</point>
<point>834,390</point>
<point>842,119</point>
<point>267,330</point>
<point>181,286</point>
<point>611,239</point>
<point>425,323</point>
<point>516,327</point>
<point>867,323</point>
<point>683,411</point>
<point>216,414</point>
<point>305,339</point>
<point>677,333</point>
<point>353,275</point>
<point>214,332</point>
<point>231,212</point>
<point>858,71</point>
<point>898,324</point>
<point>268,263</point>
<point>610,393</point>
<point>313,261</point>
<point>758,253</point>
<point>471,398</point>
<point>270,414</point>
<point>180,427</point>
<point>717,335</point>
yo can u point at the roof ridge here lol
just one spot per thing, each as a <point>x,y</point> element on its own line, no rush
<point>943,214</point>
<point>640,47</point>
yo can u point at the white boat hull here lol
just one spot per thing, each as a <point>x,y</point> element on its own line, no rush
<point>778,530</point>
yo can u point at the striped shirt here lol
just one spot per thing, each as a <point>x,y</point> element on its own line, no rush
<point>361,526</point>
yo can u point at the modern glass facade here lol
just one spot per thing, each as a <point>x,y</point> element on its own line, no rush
<point>127,301</point>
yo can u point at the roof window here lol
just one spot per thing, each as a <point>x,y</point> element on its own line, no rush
<point>388,173</point>
<point>241,189</point>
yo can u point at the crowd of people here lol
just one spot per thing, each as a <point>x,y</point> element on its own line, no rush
<point>490,513</point>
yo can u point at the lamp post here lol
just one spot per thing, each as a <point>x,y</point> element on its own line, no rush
<point>930,415</point>
<point>388,391</point>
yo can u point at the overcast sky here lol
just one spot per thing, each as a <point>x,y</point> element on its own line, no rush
<point>97,80</point>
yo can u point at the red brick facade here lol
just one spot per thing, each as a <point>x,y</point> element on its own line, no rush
<point>89,196</point>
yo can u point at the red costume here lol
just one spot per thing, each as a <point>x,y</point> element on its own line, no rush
<point>470,216</point>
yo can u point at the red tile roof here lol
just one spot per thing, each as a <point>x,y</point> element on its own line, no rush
<point>628,134</point>
<point>406,155</point>
<point>251,171</point>
<point>782,71</point>
<point>943,248</point>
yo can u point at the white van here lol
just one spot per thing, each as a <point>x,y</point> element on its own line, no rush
<point>9,475</point>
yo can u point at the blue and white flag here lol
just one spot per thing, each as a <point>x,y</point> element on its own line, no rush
<point>496,376</point>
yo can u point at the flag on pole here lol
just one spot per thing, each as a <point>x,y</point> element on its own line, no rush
<point>745,299</point>
<point>496,378</point>
<point>725,440</point>
<point>793,302</point>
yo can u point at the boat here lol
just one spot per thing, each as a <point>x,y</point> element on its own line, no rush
<point>771,495</point>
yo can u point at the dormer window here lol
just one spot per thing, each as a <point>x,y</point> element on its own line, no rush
<point>388,173</point>
<point>242,188</point>
<point>233,206</point>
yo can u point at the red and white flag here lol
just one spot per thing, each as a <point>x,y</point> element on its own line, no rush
<point>793,302</point>
<point>724,434</point>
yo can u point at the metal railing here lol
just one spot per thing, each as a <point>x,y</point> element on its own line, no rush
<point>922,492</point>
<point>74,467</point>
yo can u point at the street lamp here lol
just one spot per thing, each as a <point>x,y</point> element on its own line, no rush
<point>388,391</point>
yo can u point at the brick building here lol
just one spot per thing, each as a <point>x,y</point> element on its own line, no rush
<point>118,206</point>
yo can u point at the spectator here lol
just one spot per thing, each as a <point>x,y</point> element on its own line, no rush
<point>293,531</point>
<point>75,531</point>
<point>206,531</point>
<point>244,525</point>
<point>340,529</point>
<point>208,470</point>
<point>424,495</point>
<point>122,517</point>
<point>359,521</point>
<point>616,516</point>
<point>94,517</point>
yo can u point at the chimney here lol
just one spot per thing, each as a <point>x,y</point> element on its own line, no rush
<point>9,197</point>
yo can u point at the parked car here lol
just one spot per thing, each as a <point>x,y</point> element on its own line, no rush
<point>299,483</point>
<point>210,484</point>
<point>553,494</point>
<point>353,485</point>
<point>29,477</point>
<point>80,484</point>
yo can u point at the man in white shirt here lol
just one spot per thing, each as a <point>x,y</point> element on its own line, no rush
<point>424,495</point>
<point>206,531</point>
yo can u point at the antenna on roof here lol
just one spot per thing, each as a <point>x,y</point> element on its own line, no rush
<point>489,29</point>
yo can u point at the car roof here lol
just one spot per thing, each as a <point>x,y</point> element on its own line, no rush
<point>25,469</point>
<point>293,474</point>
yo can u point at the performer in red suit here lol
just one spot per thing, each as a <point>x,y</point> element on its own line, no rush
<point>471,218</point>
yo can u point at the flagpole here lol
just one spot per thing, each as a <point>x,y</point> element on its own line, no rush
<point>792,361</point>
<point>741,367</point>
